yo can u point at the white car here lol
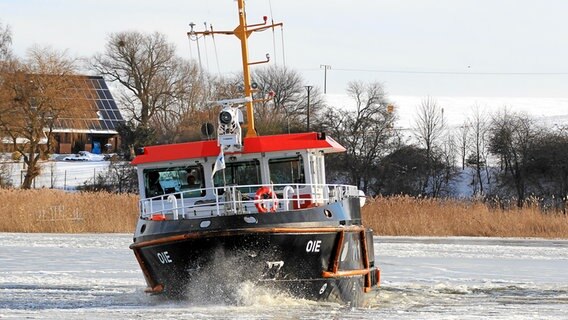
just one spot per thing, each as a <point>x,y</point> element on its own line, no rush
<point>85,156</point>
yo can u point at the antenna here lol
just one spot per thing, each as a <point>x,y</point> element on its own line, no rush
<point>215,47</point>
<point>192,34</point>
<point>205,44</point>
<point>273,34</point>
<point>242,32</point>
<point>309,88</point>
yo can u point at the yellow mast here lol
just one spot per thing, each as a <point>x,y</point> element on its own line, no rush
<point>243,31</point>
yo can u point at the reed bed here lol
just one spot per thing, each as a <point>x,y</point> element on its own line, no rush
<point>408,216</point>
<point>56,211</point>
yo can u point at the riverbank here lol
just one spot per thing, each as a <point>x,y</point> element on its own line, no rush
<point>407,216</point>
<point>56,211</point>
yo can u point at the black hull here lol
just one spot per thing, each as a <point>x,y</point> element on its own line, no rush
<point>318,261</point>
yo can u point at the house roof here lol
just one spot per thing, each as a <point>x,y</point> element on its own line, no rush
<point>100,113</point>
<point>273,143</point>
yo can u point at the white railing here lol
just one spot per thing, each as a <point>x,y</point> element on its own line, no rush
<point>240,199</point>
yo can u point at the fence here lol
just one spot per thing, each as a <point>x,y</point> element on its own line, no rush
<point>59,174</point>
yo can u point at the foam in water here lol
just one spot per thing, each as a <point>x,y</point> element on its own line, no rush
<point>249,294</point>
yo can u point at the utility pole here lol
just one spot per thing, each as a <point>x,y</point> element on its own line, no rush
<point>309,88</point>
<point>325,68</point>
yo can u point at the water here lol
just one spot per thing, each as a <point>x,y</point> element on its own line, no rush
<point>45,276</point>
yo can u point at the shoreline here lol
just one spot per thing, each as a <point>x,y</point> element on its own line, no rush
<point>55,211</point>
<point>385,237</point>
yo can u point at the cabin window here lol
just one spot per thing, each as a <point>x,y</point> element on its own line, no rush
<point>188,179</point>
<point>286,171</point>
<point>239,173</point>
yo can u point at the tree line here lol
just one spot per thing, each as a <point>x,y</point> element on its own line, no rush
<point>166,99</point>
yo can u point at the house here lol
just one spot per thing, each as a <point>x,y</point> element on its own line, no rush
<point>93,129</point>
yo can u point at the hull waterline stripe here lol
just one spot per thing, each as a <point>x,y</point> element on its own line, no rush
<point>206,234</point>
<point>345,273</point>
<point>352,273</point>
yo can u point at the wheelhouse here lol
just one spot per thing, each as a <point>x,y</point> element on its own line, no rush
<point>178,181</point>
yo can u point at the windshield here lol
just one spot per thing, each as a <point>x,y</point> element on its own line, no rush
<point>286,171</point>
<point>174,179</point>
<point>239,173</point>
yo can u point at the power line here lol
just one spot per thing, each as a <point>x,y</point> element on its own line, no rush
<point>454,72</point>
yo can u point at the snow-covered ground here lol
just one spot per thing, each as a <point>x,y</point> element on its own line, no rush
<point>53,276</point>
<point>549,111</point>
<point>60,174</point>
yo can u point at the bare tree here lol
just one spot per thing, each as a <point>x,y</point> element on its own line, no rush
<point>546,167</point>
<point>365,132</point>
<point>430,124</point>
<point>146,65</point>
<point>463,142</point>
<point>5,42</point>
<point>445,171</point>
<point>511,137</point>
<point>288,110</point>
<point>34,93</point>
<point>430,127</point>
<point>185,108</point>
<point>479,124</point>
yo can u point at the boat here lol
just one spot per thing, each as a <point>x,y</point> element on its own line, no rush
<point>215,214</point>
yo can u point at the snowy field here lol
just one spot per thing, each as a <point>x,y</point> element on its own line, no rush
<point>550,112</point>
<point>60,174</point>
<point>52,276</point>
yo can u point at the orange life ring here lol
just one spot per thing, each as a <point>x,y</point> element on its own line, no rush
<point>261,195</point>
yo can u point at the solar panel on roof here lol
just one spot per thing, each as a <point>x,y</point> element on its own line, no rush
<point>96,83</point>
<point>101,83</point>
<point>104,125</point>
<point>99,113</point>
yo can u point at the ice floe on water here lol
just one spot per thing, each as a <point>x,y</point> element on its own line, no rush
<point>95,276</point>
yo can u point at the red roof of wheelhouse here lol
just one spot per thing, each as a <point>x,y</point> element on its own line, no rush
<point>274,143</point>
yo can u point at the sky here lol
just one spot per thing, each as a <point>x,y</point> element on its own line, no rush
<point>415,48</point>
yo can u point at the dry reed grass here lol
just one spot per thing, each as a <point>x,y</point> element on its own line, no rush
<point>46,210</point>
<point>407,216</point>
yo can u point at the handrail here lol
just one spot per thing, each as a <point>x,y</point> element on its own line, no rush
<point>230,200</point>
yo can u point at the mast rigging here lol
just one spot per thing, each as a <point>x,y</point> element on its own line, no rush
<point>242,32</point>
